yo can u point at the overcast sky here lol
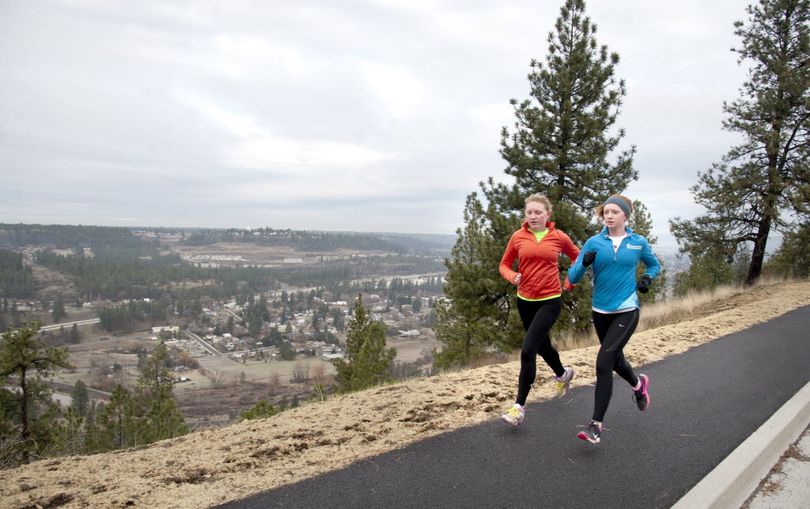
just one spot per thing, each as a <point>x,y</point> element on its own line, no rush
<point>336,115</point>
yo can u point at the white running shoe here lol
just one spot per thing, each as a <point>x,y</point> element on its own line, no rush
<point>513,415</point>
<point>562,383</point>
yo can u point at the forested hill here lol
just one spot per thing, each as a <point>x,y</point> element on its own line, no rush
<point>306,240</point>
<point>144,239</point>
<point>16,236</point>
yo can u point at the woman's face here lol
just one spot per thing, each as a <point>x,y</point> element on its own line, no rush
<point>613,216</point>
<point>536,215</point>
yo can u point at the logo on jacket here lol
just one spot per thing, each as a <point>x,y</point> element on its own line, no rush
<point>633,247</point>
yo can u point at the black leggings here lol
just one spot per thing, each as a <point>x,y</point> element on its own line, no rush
<point>614,330</point>
<point>538,317</point>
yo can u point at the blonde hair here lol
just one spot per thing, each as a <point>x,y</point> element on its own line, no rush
<point>600,210</point>
<point>539,198</point>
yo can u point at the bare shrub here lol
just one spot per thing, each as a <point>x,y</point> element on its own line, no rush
<point>319,374</point>
<point>274,384</point>
<point>217,378</point>
<point>300,373</point>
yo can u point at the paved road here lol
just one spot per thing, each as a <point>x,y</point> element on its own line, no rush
<point>704,403</point>
<point>67,325</point>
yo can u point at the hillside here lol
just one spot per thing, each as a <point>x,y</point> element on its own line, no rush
<point>217,465</point>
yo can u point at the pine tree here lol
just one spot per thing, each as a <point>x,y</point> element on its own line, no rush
<point>71,431</point>
<point>367,358</point>
<point>154,371</point>
<point>75,337</point>
<point>161,419</point>
<point>25,356</point>
<point>792,259</point>
<point>476,314</point>
<point>80,398</point>
<point>559,146</point>
<point>641,223</point>
<point>115,424</point>
<point>561,138</point>
<point>762,184</point>
<point>708,269</point>
<point>58,311</point>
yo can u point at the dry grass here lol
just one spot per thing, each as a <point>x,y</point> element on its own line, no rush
<point>673,310</point>
<point>667,312</point>
<point>218,465</point>
<point>682,308</point>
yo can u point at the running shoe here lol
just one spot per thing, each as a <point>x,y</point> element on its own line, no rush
<point>642,396</point>
<point>514,415</point>
<point>591,433</point>
<point>563,382</point>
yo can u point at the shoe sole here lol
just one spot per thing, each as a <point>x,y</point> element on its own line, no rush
<point>584,436</point>
<point>646,393</point>
<point>562,393</point>
<point>510,422</point>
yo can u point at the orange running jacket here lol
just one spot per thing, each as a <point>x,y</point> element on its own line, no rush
<point>537,261</point>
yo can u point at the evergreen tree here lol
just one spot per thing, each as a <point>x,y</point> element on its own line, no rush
<point>560,145</point>
<point>561,141</point>
<point>367,358</point>
<point>25,356</point>
<point>80,398</point>
<point>72,437</point>
<point>640,222</point>
<point>792,259</point>
<point>75,337</point>
<point>707,270</point>
<point>160,418</point>
<point>261,410</point>
<point>762,184</point>
<point>474,319</point>
<point>163,419</point>
<point>58,311</point>
<point>154,371</point>
<point>115,424</point>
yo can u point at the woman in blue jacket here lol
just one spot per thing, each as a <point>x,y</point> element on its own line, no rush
<point>613,255</point>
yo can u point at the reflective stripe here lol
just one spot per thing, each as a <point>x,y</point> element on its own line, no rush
<point>538,300</point>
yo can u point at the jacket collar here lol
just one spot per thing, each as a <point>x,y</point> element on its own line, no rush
<point>604,231</point>
<point>549,225</point>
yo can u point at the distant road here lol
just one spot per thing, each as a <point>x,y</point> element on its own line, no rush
<point>57,326</point>
<point>234,315</point>
<point>208,348</point>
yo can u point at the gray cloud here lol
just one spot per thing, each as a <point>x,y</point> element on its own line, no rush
<point>365,116</point>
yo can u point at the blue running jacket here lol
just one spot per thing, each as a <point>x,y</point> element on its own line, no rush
<point>614,274</point>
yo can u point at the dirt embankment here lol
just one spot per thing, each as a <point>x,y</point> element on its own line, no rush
<point>218,465</point>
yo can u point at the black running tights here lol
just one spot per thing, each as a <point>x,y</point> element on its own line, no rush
<point>538,317</point>
<point>614,330</point>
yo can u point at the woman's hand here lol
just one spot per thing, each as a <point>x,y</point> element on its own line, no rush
<point>517,279</point>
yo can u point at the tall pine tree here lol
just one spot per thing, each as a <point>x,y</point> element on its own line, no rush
<point>565,132</point>
<point>560,145</point>
<point>762,184</point>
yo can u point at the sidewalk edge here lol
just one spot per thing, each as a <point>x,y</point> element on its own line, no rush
<point>731,483</point>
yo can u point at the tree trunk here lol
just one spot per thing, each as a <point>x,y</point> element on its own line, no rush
<point>758,256</point>
<point>25,432</point>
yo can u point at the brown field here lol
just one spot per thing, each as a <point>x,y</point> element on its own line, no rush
<point>223,387</point>
<point>232,253</point>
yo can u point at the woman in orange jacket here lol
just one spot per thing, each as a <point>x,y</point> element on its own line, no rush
<point>537,245</point>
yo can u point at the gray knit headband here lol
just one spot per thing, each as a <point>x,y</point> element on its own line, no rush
<point>620,203</point>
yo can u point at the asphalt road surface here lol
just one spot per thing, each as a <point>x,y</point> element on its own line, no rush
<point>704,403</point>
